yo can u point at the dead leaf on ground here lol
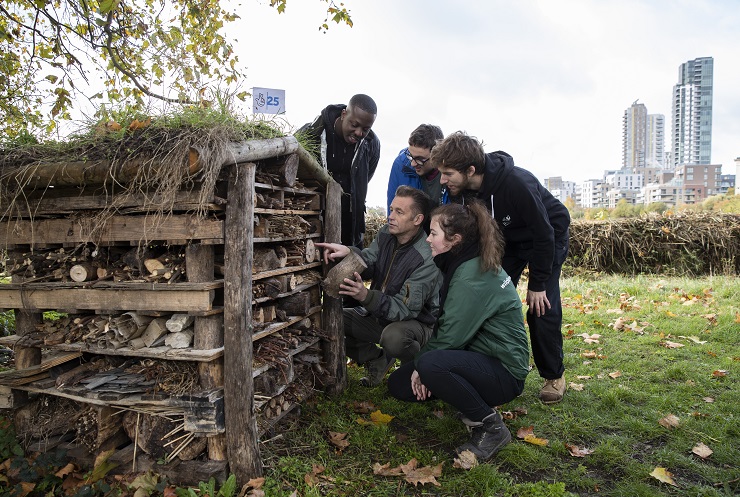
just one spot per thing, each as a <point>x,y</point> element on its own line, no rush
<point>663,475</point>
<point>439,413</point>
<point>69,468</point>
<point>712,318</point>
<point>589,354</point>
<point>518,411</point>
<point>719,373</point>
<point>702,450</point>
<point>26,488</point>
<point>424,475</point>
<point>584,377</point>
<point>577,451</point>
<point>524,431</point>
<point>386,470</point>
<point>465,460</point>
<point>671,345</point>
<point>536,440</point>
<point>578,387</point>
<point>618,324</point>
<point>363,407</point>
<point>376,418</point>
<point>694,339</point>
<point>670,421</point>
<point>338,440</point>
<point>615,374</point>
<point>708,400</point>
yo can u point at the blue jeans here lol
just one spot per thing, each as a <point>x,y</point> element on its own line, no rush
<point>469,381</point>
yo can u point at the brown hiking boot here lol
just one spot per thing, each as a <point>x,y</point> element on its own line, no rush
<point>553,390</point>
<point>376,370</point>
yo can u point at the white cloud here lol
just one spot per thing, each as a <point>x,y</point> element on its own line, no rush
<point>546,81</point>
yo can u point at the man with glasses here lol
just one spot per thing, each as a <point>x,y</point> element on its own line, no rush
<point>412,167</point>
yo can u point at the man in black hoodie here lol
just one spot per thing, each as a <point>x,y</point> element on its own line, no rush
<point>535,226</point>
<point>347,147</point>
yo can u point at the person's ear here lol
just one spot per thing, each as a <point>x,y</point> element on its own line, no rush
<point>418,219</point>
<point>456,239</point>
<point>470,171</point>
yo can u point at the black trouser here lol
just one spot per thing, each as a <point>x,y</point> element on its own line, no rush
<point>469,381</point>
<point>545,331</point>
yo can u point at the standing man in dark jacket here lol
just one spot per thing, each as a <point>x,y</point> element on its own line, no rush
<point>400,308</point>
<point>350,151</point>
<point>535,226</point>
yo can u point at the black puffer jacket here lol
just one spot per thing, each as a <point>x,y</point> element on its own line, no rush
<point>361,171</point>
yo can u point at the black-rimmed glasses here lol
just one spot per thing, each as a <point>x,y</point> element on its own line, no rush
<point>419,160</point>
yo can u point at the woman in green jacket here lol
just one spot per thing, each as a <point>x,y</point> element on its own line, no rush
<point>478,355</point>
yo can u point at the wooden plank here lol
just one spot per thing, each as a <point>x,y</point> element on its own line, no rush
<point>285,211</point>
<point>286,238</point>
<point>285,270</point>
<point>196,355</point>
<point>117,228</point>
<point>265,186</point>
<point>284,324</point>
<point>121,285</point>
<point>241,425</point>
<point>53,204</point>
<point>332,310</point>
<point>112,299</point>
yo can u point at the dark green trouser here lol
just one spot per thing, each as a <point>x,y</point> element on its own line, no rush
<point>400,339</point>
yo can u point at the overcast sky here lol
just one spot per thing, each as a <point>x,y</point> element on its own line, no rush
<point>546,81</point>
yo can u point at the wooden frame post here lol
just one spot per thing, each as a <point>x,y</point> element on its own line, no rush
<point>241,424</point>
<point>332,317</point>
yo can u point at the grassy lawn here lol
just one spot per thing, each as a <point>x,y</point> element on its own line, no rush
<point>659,376</point>
<point>676,352</point>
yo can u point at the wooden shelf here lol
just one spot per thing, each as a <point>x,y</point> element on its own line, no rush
<point>284,270</point>
<point>123,296</point>
<point>298,289</point>
<point>287,238</point>
<point>269,330</point>
<point>266,367</point>
<point>259,210</point>
<point>265,186</point>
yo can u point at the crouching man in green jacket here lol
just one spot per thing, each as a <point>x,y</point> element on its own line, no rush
<point>401,306</point>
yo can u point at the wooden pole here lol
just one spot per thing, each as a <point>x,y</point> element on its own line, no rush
<point>332,307</point>
<point>25,357</point>
<point>199,264</point>
<point>241,424</point>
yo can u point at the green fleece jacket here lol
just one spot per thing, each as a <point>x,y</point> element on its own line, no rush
<point>483,313</point>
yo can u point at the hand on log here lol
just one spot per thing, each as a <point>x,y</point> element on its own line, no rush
<point>333,251</point>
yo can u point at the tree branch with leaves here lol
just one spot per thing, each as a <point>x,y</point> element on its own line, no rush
<point>127,50</point>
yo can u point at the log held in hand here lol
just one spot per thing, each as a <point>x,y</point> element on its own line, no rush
<point>345,269</point>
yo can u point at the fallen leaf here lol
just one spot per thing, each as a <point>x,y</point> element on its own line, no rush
<point>525,431</point>
<point>363,407</point>
<point>614,311</point>
<point>589,354</point>
<point>584,377</point>
<point>663,475</point>
<point>576,451</point>
<point>618,324</point>
<point>702,450</point>
<point>615,374</point>
<point>671,345</point>
<point>578,387</point>
<point>338,440</point>
<point>65,471</point>
<point>670,421</point>
<point>536,440</point>
<point>709,400</point>
<point>694,339</point>
<point>712,318</point>
<point>379,418</point>
<point>737,317</point>
<point>465,460</point>
<point>439,413</point>
<point>719,373</point>
<point>26,488</point>
<point>169,492</point>
<point>427,474</point>
<point>386,470</point>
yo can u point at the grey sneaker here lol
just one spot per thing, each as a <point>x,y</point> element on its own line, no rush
<point>553,390</point>
<point>488,437</point>
<point>376,370</point>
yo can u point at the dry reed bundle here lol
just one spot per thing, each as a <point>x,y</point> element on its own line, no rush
<point>688,244</point>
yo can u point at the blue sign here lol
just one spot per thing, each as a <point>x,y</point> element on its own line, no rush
<point>268,101</point>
